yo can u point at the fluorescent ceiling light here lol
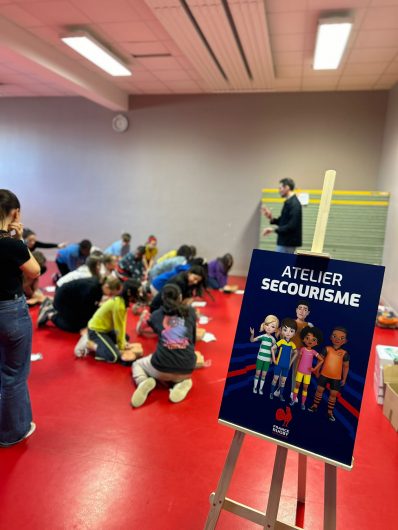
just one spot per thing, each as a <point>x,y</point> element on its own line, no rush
<point>96,53</point>
<point>331,41</point>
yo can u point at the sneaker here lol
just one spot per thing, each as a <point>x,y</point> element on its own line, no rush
<point>302,406</point>
<point>260,392</point>
<point>142,391</point>
<point>81,349</point>
<point>277,392</point>
<point>255,390</point>
<point>282,398</point>
<point>271,396</point>
<point>44,314</point>
<point>292,402</point>
<point>331,417</point>
<point>31,430</point>
<point>312,409</point>
<point>180,390</point>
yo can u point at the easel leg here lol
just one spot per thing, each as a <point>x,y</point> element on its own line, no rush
<point>301,487</point>
<point>276,488</point>
<point>329,514</point>
<point>302,477</point>
<point>225,479</point>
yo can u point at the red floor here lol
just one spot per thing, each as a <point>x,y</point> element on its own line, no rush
<point>95,463</point>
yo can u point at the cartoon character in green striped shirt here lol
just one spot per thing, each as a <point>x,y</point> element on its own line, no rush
<point>267,346</point>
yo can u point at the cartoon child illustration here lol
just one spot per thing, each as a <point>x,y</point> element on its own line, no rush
<point>268,345</point>
<point>333,370</point>
<point>311,337</point>
<point>283,362</point>
<point>302,312</point>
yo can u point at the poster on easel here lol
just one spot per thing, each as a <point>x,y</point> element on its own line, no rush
<point>298,365</point>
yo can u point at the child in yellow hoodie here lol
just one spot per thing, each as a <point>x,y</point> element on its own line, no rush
<point>106,337</point>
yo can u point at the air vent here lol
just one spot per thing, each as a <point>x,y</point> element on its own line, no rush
<point>236,37</point>
<point>198,30</point>
<point>149,55</point>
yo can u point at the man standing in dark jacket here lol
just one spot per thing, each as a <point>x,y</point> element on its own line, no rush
<point>289,224</point>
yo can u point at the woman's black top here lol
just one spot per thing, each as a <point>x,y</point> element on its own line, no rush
<point>13,254</point>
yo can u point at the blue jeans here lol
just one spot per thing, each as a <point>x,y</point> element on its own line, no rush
<point>285,250</point>
<point>15,350</point>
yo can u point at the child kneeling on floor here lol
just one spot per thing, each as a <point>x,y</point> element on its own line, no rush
<point>106,337</point>
<point>174,359</point>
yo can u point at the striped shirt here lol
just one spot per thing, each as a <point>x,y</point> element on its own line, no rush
<point>264,353</point>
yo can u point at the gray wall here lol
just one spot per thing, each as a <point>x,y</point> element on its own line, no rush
<point>189,169</point>
<point>389,181</point>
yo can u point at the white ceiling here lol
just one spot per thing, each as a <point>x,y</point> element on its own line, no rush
<point>160,42</point>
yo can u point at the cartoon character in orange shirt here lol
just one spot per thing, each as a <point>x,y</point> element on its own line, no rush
<point>333,370</point>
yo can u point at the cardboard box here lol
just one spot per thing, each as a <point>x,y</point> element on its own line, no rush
<point>390,407</point>
<point>385,356</point>
<point>378,390</point>
<point>389,375</point>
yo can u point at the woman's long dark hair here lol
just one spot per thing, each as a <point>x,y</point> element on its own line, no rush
<point>172,300</point>
<point>227,261</point>
<point>8,201</point>
<point>130,291</point>
<point>200,270</point>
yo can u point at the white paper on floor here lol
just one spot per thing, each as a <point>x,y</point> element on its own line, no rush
<point>50,288</point>
<point>208,337</point>
<point>203,319</point>
<point>199,303</point>
<point>239,291</point>
<point>36,356</point>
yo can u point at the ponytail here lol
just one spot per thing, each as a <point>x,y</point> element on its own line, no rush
<point>172,300</point>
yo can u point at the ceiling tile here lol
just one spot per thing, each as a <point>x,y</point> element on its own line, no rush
<point>153,88</point>
<point>371,55</point>
<point>184,62</point>
<point>143,10</point>
<point>286,23</point>
<point>288,71</point>
<point>284,84</point>
<point>160,63</point>
<point>277,6</point>
<point>331,5</point>
<point>377,39</point>
<point>19,16</point>
<point>328,81</point>
<point>57,12</point>
<point>129,32</point>
<point>381,18</point>
<point>364,69</point>
<point>287,43</point>
<point>157,28</point>
<point>392,69</point>
<point>172,75</point>
<point>383,2</point>
<point>172,47</point>
<point>183,85</point>
<point>107,11</point>
<point>362,81</point>
<point>145,48</point>
<point>386,81</point>
<point>288,58</point>
<point>193,74</point>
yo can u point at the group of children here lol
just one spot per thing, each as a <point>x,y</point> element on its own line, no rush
<point>93,294</point>
<point>292,344</point>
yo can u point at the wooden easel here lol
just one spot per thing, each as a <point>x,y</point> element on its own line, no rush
<point>268,519</point>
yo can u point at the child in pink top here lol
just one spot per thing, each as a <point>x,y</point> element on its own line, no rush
<point>311,336</point>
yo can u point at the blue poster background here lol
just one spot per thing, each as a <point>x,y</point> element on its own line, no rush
<point>307,431</point>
